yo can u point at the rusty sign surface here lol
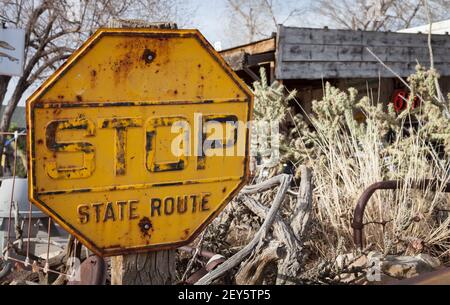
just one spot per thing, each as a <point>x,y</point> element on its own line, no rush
<point>124,144</point>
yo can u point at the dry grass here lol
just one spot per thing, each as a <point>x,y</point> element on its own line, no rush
<point>350,164</point>
<point>347,156</point>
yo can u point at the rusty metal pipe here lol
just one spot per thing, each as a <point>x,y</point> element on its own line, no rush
<point>358,214</point>
<point>191,250</point>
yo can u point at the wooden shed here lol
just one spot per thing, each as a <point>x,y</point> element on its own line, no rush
<point>305,58</point>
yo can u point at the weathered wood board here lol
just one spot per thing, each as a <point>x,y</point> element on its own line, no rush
<point>304,53</point>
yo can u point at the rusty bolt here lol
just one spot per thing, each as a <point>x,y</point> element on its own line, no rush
<point>148,56</point>
<point>145,224</point>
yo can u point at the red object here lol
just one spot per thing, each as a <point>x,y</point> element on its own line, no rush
<point>416,102</point>
<point>400,100</point>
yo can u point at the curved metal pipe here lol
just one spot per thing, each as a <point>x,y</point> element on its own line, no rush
<point>358,214</point>
<point>191,250</point>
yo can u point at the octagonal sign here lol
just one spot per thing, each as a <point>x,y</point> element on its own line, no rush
<point>139,140</point>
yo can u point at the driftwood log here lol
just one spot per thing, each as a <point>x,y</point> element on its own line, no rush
<point>281,246</point>
<point>288,238</point>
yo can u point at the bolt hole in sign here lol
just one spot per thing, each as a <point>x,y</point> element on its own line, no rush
<point>12,43</point>
<point>139,140</point>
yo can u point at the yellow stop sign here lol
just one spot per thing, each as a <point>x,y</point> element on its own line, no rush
<point>139,140</point>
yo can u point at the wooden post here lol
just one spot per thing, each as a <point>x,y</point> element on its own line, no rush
<point>148,268</point>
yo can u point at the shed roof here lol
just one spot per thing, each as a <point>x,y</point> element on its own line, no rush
<point>440,27</point>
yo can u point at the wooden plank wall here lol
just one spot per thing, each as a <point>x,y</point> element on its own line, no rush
<point>304,53</point>
<point>378,90</point>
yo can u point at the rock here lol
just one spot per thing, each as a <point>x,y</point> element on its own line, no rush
<point>374,255</point>
<point>383,279</point>
<point>22,282</point>
<point>342,260</point>
<point>390,268</point>
<point>351,262</point>
<point>408,266</point>
<point>359,262</point>
<point>50,255</point>
<point>430,260</point>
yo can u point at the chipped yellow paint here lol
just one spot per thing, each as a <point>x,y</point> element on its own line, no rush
<point>151,135</point>
<point>101,131</point>
<point>73,172</point>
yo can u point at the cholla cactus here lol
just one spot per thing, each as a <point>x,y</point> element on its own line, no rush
<point>271,101</point>
<point>271,108</point>
<point>348,155</point>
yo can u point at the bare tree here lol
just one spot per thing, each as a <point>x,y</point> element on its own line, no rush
<point>371,15</point>
<point>255,19</point>
<point>178,11</point>
<point>438,9</point>
<point>55,28</point>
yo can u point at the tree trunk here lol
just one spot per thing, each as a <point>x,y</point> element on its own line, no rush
<point>150,268</point>
<point>4,81</point>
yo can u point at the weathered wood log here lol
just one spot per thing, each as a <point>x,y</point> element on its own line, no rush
<point>283,236</point>
<point>253,271</point>
<point>289,237</point>
<point>284,182</point>
<point>290,267</point>
<point>302,215</point>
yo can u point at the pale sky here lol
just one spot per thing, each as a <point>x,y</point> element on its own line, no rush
<point>211,17</point>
